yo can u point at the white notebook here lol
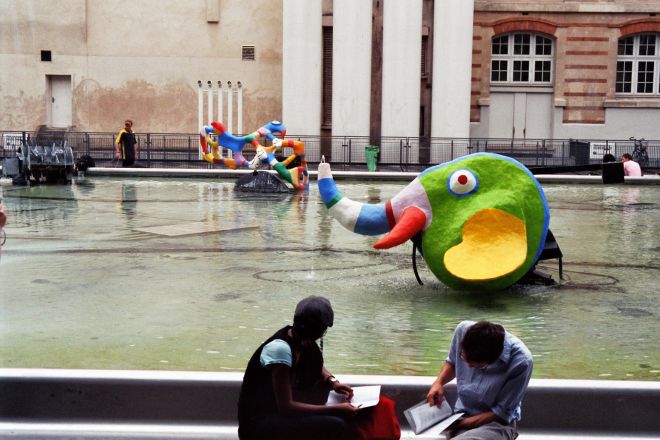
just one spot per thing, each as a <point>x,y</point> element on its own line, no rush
<point>423,418</point>
<point>363,397</point>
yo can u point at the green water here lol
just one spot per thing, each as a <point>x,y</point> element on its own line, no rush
<point>81,287</point>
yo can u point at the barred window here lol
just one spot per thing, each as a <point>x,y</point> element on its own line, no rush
<point>638,64</point>
<point>247,53</point>
<point>522,59</point>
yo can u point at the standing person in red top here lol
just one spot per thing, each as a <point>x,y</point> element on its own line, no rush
<point>126,145</point>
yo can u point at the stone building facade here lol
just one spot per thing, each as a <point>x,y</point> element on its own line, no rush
<point>458,68</point>
<point>590,93</point>
<point>90,64</point>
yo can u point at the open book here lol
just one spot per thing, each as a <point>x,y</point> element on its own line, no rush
<point>431,419</point>
<point>363,397</point>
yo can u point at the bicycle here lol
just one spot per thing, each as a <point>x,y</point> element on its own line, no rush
<point>640,154</point>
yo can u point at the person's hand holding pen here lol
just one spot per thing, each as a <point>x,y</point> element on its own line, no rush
<point>341,388</point>
<point>345,391</point>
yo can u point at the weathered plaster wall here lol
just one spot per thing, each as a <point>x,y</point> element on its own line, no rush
<point>25,29</point>
<point>138,60</point>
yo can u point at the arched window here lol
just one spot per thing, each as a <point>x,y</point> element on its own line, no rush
<point>521,59</point>
<point>637,65</point>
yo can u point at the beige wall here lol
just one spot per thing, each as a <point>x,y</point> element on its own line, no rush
<point>138,60</point>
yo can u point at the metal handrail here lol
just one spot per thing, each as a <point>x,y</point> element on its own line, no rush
<point>402,152</point>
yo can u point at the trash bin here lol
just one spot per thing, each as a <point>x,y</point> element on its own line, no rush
<point>613,172</point>
<point>371,153</point>
<point>579,150</point>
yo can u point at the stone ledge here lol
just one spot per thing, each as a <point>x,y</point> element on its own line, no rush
<point>177,404</point>
<point>632,103</point>
<point>110,431</point>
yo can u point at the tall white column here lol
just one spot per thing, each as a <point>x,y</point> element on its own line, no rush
<point>402,48</point>
<point>301,66</point>
<point>452,68</point>
<point>351,67</point>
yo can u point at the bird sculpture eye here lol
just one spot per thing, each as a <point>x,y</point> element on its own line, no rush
<point>462,183</point>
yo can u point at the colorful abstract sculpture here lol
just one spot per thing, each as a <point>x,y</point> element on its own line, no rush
<point>297,176</point>
<point>483,219</point>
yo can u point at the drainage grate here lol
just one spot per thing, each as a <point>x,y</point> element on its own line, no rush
<point>248,53</point>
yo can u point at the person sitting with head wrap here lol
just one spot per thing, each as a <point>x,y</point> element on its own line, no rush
<point>286,384</point>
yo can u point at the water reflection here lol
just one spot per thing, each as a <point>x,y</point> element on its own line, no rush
<point>129,200</point>
<point>39,207</point>
<point>85,187</point>
<point>631,196</point>
<point>373,194</point>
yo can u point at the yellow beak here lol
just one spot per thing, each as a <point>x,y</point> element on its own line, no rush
<point>494,245</point>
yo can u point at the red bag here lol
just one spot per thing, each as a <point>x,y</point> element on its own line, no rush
<point>378,422</point>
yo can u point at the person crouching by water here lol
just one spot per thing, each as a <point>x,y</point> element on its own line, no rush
<point>283,376</point>
<point>630,167</point>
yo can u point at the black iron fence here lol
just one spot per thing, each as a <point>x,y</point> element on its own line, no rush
<point>172,150</point>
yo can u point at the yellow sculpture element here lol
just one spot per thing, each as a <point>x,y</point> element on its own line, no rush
<point>494,245</point>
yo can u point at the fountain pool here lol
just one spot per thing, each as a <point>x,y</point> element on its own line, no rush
<point>89,278</point>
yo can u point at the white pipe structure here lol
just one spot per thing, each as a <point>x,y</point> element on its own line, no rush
<point>219,101</point>
<point>200,105</point>
<point>210,103</point>
<point>239,108</point>
<point>201,121</point>
<point>200,110</point>
<point>230,113</point>
<point>221,113</point>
